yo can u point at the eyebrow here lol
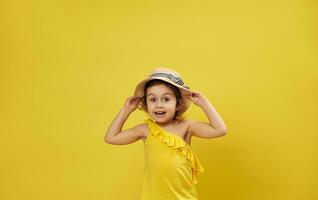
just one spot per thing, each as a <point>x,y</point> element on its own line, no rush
<point>163,94</point>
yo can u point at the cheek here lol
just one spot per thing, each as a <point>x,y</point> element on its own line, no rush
<point>150,105</point>
<point>173,105</point>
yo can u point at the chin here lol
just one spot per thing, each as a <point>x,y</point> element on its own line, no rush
<point>163,120</point>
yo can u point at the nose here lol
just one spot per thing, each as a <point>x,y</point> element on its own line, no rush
<point>158,104</point>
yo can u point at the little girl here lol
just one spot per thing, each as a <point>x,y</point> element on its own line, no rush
<point>171,167</point>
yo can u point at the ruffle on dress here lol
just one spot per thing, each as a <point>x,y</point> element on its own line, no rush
<point>176,142</point>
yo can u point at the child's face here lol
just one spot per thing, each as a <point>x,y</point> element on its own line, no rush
<point>161,98</point>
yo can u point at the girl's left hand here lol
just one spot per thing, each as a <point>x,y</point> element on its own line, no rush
<point>198,99</point>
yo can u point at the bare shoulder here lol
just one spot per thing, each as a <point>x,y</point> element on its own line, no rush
<point>186,123</point>
<point>184,126</point>
<point>203,130</point>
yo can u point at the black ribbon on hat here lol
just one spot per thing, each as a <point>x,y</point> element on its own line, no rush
<point>170,76</point>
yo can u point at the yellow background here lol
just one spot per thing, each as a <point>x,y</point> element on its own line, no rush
<point>68,66</point>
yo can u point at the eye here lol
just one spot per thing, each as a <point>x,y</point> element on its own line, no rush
<point>166,99</point>
<point>152,99</point>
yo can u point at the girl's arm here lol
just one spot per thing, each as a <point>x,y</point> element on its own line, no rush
<point>115,135</point>
<point>216,127</point>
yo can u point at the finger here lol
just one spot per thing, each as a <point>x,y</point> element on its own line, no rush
<point>189,97</point>
<point>137,100</point>
<point>133,98</point>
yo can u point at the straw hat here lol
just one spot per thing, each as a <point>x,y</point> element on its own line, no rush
<point>169,76</point>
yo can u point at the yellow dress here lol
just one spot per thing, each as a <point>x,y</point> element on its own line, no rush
<point>171,167</point>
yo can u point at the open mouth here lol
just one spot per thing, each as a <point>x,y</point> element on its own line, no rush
<point>160,113</point>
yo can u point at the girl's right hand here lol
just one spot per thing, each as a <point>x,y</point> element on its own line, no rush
<point>131,103</point>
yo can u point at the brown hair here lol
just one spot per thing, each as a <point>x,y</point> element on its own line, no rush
<point>143,102</point>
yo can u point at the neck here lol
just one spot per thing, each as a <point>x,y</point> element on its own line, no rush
<point>167,123</point>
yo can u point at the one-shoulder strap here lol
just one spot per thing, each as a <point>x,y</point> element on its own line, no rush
<point>153,127</point>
